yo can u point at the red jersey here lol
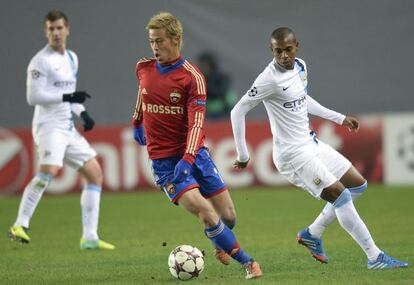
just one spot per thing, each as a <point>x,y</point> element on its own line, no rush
<point>171,104</point>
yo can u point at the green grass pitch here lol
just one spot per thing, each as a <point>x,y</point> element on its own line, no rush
<point>140,223</point>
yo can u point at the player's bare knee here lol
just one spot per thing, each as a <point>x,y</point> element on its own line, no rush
<point>356,182</point>
<point>229,217</point>
<point>352,178</point>
<point>49,169</point>
<point>208,217</point>
<point>332,192</point>
<point>93,178</point>
<point>92,172</point>
<point>97,178</point>
<point>230,223</point>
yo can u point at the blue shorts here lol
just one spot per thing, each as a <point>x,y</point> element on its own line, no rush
<point>204,175</point>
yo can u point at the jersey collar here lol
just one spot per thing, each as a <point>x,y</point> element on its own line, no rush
<point>300,66</point>
<point>164,69</point>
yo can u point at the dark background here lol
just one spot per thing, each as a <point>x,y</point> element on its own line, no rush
<point>359,53</point>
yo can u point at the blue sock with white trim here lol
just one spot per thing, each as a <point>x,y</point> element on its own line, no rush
<point>357,191</point>
<point>229,223</point>
<point>90,200</point>
<point>225,239</point>
<point>351,222</point>
<point>327,216</point>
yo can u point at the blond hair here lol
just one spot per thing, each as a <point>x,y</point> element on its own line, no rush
<point>167,21</point>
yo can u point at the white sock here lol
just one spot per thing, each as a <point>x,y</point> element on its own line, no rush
<point>327,216</point>
<point>353,224</point>
<point>31,197</point>
<point>90,200</point>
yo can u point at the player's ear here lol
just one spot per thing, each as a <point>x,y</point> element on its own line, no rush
<point>176,40</point>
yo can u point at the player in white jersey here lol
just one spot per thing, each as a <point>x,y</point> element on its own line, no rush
<point>51,88</point>
<point>303,159</point>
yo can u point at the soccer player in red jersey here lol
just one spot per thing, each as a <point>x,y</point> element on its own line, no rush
<point>169,119</point>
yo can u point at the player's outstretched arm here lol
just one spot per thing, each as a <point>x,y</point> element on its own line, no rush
<point>351,123</point>
<point>316,109</point>
<point>238,122</point>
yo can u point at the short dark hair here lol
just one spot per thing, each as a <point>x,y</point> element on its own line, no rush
<point>55,15</point>
<point>281,33</point>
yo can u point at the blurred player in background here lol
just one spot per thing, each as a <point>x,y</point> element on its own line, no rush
<point>51,88</point>
<point>303,159</point>
<point>169,119</point>
<point>221,96</point>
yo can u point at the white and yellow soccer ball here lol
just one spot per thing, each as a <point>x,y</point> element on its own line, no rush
<point>186,262</point>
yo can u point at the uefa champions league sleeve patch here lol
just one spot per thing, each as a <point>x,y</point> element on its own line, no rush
<point>252,92</point>
<point>200,102</point>
<point>35,74</point>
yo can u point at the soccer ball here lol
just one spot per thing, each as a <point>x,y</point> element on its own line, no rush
<point>186,262</point>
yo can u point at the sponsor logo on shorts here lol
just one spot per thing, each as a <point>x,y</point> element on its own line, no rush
<point>317,181</point>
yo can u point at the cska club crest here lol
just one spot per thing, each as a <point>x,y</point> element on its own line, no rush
<point>170,188</point>
<point>175,97</point>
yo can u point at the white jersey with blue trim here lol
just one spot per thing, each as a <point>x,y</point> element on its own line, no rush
<point>284,95</point>
<point>51,74</point>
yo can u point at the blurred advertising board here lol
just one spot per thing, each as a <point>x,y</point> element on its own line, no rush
<point>127,168</point>
<point>398,138</point>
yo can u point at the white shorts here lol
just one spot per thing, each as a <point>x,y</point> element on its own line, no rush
<point>318,173</point>
<point>56,146</point>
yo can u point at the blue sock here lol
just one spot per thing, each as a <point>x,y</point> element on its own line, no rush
<point>342,199</point>
<point>224,238</point>
<point>93,187</point>
<point>357,191</point>
<point>229,223</point>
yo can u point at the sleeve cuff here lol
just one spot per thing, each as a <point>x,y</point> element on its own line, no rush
<point>189,158</point>
<point>136,123</point>
<point>341,119</point>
